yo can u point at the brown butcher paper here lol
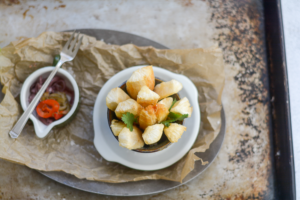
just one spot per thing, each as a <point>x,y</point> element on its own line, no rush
<point>70,149</point>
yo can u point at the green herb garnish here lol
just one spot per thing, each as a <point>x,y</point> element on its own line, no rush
<point>174,101</point>
<point>173,117</point>
<point>129,119</point>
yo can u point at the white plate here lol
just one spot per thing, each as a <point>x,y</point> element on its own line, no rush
<point>107,145</point>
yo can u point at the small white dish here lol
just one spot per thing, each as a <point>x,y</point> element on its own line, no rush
<point>108,146</point>
<point>41,130</point>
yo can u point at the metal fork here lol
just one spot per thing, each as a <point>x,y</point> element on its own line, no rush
<point>67,54</point>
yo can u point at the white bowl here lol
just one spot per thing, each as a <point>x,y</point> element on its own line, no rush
<point>108,146</point>
<point>41,130</point>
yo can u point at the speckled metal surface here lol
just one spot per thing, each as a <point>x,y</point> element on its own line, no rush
<point>241,35</point>
<point>242,170</point>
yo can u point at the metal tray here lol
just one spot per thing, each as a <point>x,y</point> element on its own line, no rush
<point>281,131</point>
<point>140,187</point>
<point>266,22</point>
<point>259,23</point>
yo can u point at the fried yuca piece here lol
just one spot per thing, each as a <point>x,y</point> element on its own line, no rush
<point>153,114</point>
<point>152,134</point>
<point>114,97</point>
<point>129,105</point>
<point>131,139</point>
<point>139,78</point>
<point>174,132</point>
<point>169,88</point>
<point>147,97</point>
<point>116,126</point>
<point>182,106</point>
<point>167,102</point>
<point>147,117</point>
<point>161,112</point>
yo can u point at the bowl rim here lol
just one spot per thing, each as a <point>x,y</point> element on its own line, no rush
<point>108,146</point>
<point>24,101</point>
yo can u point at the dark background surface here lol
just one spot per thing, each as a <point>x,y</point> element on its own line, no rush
<point>284,180</point>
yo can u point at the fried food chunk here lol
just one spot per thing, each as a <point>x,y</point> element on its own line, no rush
<point>169,88</point>
<point>131,139</point>
<point>174,132</point>
<point>152,134</point>
<point>147,97</point>
<point>116,126</point>
<point>161,112</point>
<point>114,97</point>
<point>139,78</point>
<point>167,102</point>
<point>182,106</point>
<point>129,105</point>
<point>147,117</point>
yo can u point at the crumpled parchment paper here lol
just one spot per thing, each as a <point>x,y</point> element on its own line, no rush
<point>70,149</point>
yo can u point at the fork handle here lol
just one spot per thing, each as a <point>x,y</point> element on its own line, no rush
<point>18,127</point>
